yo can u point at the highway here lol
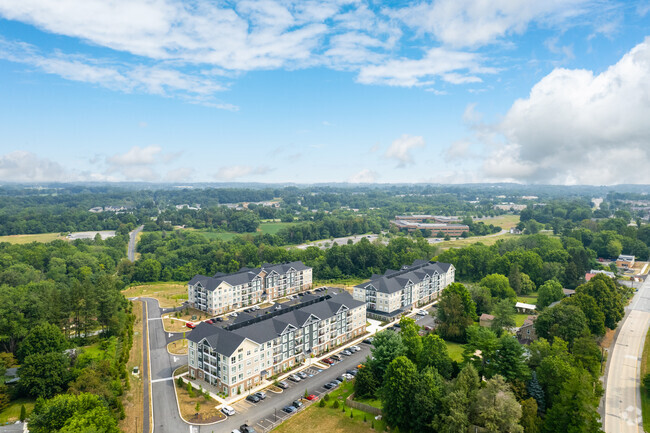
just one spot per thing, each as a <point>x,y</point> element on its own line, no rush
<point>623,397</point>
<point>133,236</point>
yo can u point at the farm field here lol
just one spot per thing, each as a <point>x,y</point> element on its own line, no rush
<point>270,228</point>
<point>26,239</point>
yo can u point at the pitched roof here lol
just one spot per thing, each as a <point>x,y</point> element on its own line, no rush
<point>394,281</point>
<point>244,275</point>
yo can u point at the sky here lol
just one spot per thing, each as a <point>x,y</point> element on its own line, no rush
<point>311,91</point>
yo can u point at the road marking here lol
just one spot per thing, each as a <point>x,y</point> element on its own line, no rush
<point>162,380</point>
<point>175,359</point>
<point>170,335</point>
<point>154,318</point>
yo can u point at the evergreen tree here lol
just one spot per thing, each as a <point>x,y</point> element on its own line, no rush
<point>535,391</point>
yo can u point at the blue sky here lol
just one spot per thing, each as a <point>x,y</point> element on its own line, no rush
<point>446,91</point>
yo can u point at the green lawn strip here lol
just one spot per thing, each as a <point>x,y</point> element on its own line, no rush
<point>374,402</point>
<point>530,298</point>
<point>12,412</point>
<point>645,393</point>
<point>519,319</point>
<point>455,350</point>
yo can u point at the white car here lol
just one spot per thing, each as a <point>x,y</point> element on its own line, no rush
<point>422,313</point>
<point>355,348</point>
<point>233,314</point>
<point>228,410</point>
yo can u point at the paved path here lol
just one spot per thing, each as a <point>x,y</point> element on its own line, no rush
<point>133,236</point>
<point>623,398</point>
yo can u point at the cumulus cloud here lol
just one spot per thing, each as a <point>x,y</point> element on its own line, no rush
<point>364,176</point>
<point>233,172</point>
<point>21,166</point>
<point>458,150</point>
<point>140,163</point>
<point>400,149</point>
<point>580,127</point>
<point>136,156</point>
<point>472,23</point>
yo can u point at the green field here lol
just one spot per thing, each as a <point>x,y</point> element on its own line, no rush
<point>506,222</point>
<point>26,239</point>
<point>270,228</point>
<point>455,350</point>
<point>520,319</point>
<point>12,412</point>
<point>530,298</point>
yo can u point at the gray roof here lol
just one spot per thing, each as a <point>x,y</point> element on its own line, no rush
<point>269,328</point>
<point>244,275</point>
<point>394,281</point>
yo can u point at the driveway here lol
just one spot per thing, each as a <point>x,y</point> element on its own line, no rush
<point>133,236</point>
<point>623,397</point>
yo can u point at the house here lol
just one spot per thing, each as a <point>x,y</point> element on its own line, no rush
<point>242,355</point>
<point>526,333</point>
<point>388,296</point>
<point>515,231</point>
<point>568,292</point>
<point>522,307</point>
<point>624,261</point>
<point>224,292</point>
<point>486,320</point>
<point>592,273</point>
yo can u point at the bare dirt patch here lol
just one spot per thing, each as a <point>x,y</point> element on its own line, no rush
<point>178,347</point>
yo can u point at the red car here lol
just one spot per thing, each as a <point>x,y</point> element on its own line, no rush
<point>209,321</point>
<point>328,361</point>
<point>190,325</point>
<point>311,397</point>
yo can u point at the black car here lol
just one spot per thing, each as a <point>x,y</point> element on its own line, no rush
<point>329,385</point>
<point>297,404</point>
<point>340,379</point>
<point>219,319</point>
<point>289,409</point>
<point>253,398</point>
<point>367,341</point>
<point>245,428</point>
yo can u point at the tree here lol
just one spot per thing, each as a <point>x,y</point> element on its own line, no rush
<point>530,420</point>
<point>456,403</point>
<point>604,291</point>
<point>549,292</point>
<point>509,359</point>
<point>504,315</point>
<point>527,285</point>
<point>481,345</point>
<point>587,354</point>
<point>398,391</point>
<point>434,354</point>
<point>44,374</point>
<point>567,322</point>
<point>499,286</point>
<point>388,345</point>
<point>23,413</point>
<point>42,338</point>
<point>67,413</point>
<point>593,313</point>
<point>365,383</point>
<point>411,338</point>
<point>575,408</point>
<point>482,298</point>
<point>496,408</point>
<point>456,311</point>
<point>514,278</point>
<point>535,391</point>
<point>426,403</point>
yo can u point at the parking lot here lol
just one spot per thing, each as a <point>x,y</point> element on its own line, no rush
<point>268,413</point>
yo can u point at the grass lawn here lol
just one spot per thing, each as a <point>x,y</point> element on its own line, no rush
<point>520,318</point>
<point>26,239</point>
<point>104,349</point>
<point>272,228</point>
<point>645,369</point>
<point>178,347</point>
<point>264,228</point>
<point>12,412</point>
<point>328,419</point>
<point>506,222</point>
<point>374,402</point>
<point>207,412</point>
<point>169,294</point>
<point>132,399</point>
<point>455,350</point>
<point>463,242</point>
<point>530,298</point>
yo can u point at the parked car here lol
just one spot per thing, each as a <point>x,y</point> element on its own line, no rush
<point>337,382</point>
<point>329,385</point>
<point>245,428</point>
<point>422,313</point>
<point>397,325</point>
<point>219,319</point>
<point>336,357</point>
<point>311,397</point>
<point>233,314</point>
<point>294,378</point>
<point>367,340</point>
<point>235,431</point>
<point>253,398</point>
<point>302,375</point>
<point>428,328</point>
<point>289,409</point>
<point>346,352</point>
<point>356,348</point>
<point>341,379</point>
<point>227,410</point>
<point>261,395</point>
<point>296,403</point>
<point>256,307</point>
<point>283,385</point>
<point>190,325</point>
<point>347,376</point>
<point>351,372</point>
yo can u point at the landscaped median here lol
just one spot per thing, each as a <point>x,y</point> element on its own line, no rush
<point>195,405</point>
<point>178,347</point>
<point>334,417</point>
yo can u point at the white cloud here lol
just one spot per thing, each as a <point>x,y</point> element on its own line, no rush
<point>140,163</point>
<point>458,150</point>
<point>21,166</point>
<point>182,174</point>
<point>364,176</point>
<point>472,23</point>
<point>579,127</point>
<point>438,62</point>
<point>401,148</point>
<point>232,172</point>
<point>136,156</point>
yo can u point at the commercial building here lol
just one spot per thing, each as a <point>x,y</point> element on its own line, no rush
<point>388,296</point>
<point>435,228</point>
<point>240,356</point>
<point>224,292</point>
<point>624,261</point>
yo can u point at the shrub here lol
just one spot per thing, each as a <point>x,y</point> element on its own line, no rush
<point>335,405</point>
<point>321,403</point>
<point>326,397</point>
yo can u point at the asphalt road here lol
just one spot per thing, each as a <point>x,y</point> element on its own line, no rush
<point>146,420</point>
<point>623,398</point>
<point>132,238</point>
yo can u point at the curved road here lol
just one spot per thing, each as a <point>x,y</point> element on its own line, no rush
<point>133,236</point>
<point>623,393</point>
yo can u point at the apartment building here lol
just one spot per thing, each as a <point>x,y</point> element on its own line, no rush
<point>388,296</point>
<point>434,228</point>
<point>224,292</point>
<point>240,356</point>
